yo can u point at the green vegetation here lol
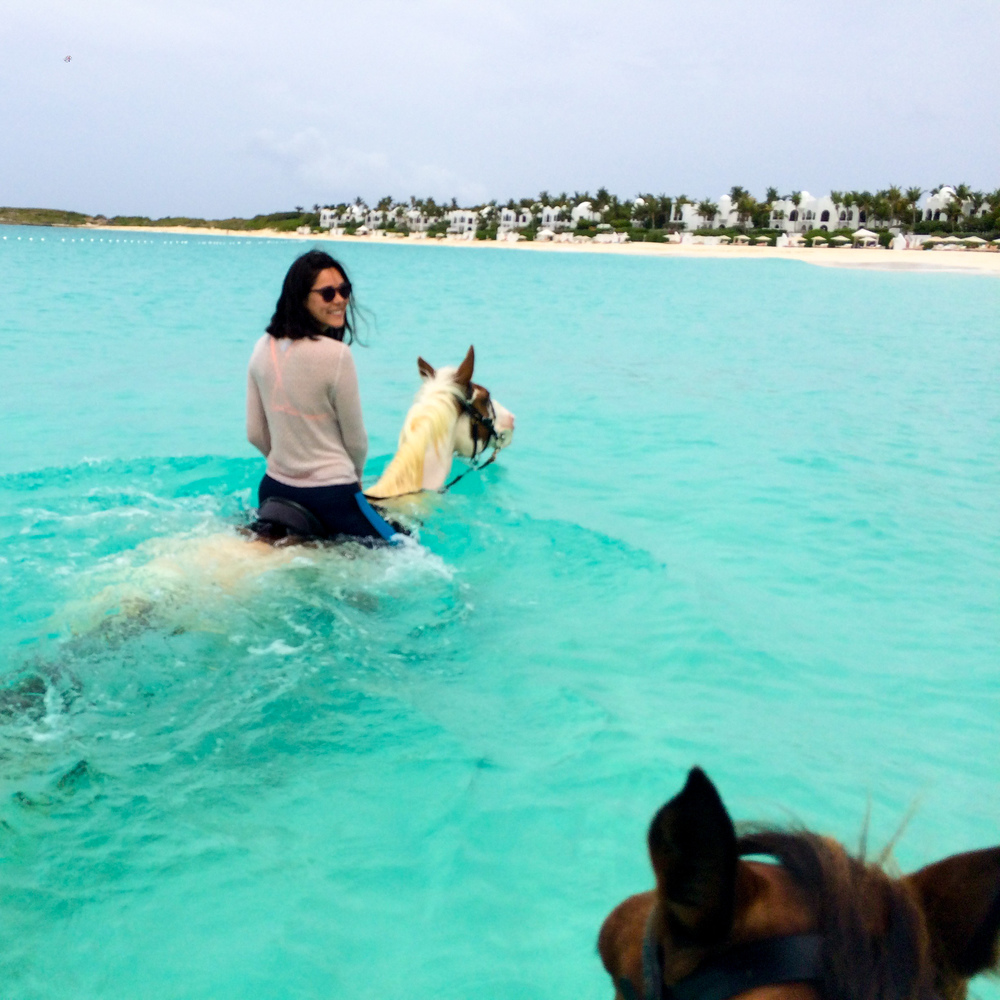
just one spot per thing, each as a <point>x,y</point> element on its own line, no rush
<point>283,222</point>
<point>41,217</point>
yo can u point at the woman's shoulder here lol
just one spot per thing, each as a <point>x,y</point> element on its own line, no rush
<point>259,348</point>
<point>323,347</point>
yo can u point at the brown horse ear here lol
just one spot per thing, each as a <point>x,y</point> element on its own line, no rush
<point>692,845</point>
<point>426,370</point>
<point>961,901</point>
<point>464,374</point>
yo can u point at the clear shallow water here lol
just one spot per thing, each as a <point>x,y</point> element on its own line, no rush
<point>750,520</point>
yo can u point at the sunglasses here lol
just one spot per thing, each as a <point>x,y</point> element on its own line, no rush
<point>330,292</point>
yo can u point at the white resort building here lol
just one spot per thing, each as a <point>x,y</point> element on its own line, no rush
<point>584,212</point>
<point>936,205</point>
<point>514,218</point>
<point>555,217</point>
<point>462,220</point>
<point>814,213</point>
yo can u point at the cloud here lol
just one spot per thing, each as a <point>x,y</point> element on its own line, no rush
<point>329,171</point>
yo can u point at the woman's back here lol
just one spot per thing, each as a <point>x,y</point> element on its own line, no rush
<point>304,411</point>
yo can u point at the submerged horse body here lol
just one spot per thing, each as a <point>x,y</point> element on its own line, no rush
<point>810,922</point>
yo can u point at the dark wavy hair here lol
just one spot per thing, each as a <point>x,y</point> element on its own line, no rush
<point>292,319</point>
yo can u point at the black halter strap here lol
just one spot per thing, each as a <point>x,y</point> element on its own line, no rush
<point>492,438</point>
<point>487,423</point>
<point>796,958</point>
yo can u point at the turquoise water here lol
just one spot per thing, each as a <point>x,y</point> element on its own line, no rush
<point>750,520</point>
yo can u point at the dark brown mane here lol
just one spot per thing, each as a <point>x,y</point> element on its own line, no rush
<point>875,941</point>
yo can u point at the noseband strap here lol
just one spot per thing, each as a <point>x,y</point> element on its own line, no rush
<point>796,958</point>
<point>487,423</point>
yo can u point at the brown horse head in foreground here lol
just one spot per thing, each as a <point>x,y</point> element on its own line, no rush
<point>792,916</point>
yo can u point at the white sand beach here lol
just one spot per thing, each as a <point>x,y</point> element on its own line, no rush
<point>878,258</point>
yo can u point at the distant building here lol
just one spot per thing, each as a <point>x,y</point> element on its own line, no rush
<point>462,220</point>
<point>514,218</point>
<point>936,205</point>
<point>353,215</point>
<point>813,213</point>
<point>555,218</point>
<point>417,222</point>
<point>584,212</point>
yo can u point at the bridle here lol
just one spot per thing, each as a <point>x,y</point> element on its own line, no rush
<point>492,438</point>
<point>794,958</point>
<point>477,419</point>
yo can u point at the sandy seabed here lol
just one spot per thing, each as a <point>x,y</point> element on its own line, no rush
<point>878,258</point>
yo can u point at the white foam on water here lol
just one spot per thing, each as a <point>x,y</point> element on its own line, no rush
<point>277,648</point>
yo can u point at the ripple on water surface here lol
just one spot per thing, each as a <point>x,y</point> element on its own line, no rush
<point>747,522</point>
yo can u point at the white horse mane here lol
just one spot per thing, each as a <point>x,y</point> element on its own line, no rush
<point>429,422</point>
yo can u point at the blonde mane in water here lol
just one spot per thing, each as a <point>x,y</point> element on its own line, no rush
<point>428,426</point>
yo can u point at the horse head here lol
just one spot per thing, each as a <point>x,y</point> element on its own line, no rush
<point>483,422</point>
<point>451,415</point>
<point>811,921</point>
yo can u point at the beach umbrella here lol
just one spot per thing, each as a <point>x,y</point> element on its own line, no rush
<point>974,239</point>
<point>840,239</point>
<point>863,234</point>
<point>761,240</point>
<point>933,241</point>
<point>817,240</point>
<point>725,239</point>
<point>742,238</point>
<point>951,239</point>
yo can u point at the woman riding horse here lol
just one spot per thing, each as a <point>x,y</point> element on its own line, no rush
<point>304,408</point>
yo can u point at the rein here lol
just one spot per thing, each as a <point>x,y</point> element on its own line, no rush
<point>795,958</point>
<point>492,438</point>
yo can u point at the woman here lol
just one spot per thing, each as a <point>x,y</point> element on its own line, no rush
<point>303,405</point>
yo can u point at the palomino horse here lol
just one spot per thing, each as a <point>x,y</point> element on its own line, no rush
<point>451,415</point>
<point>813,923</point>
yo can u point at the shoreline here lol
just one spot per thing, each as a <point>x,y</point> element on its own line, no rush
<point>941,261</point>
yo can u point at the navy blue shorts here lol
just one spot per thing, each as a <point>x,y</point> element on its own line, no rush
<point>343,509</point>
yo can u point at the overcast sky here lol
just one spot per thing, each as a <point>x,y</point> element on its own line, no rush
<point>216,108</point>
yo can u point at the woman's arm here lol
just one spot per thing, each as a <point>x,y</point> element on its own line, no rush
<point>258,433</point>
<point>346,400</point>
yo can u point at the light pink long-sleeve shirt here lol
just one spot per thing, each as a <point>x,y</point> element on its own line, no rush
<point>304,411</point>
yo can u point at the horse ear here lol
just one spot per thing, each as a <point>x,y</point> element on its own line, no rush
<point>692,845</point>
<point>961,902</point>
<point>426,370</point>
<point>464,374</point>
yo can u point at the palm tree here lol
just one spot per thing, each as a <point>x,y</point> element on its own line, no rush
<point>911,197</point>
<point>863,199</point>
<point>963,193</point>
<point>882,207</point>
<point>708,211</point>
<point>746,205</point>
<point>954,209</point>
<point>837,197</point>
<point>894,197</point>
<point>645,212</point>
<point>796,199</point>
<point>679,202</point>
<point>772,196</point>
<point>664,208</point>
